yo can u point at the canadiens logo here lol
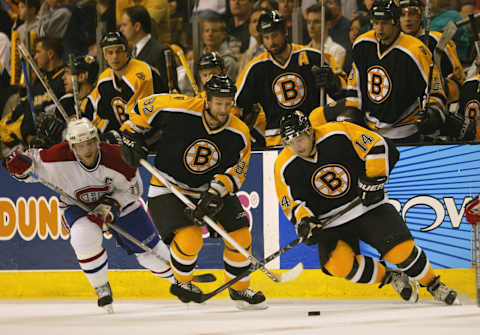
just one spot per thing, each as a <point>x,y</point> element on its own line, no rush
<point>92,194</point>
<point>289,89</point>
<point>331,180</point>
<point>201,156</point>
<point>472,109</point>
<point>379,84</point>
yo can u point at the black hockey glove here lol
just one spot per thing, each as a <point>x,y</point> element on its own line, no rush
<point>458,127</point>
<point>371,190</point>
<point>210,204</point>
<point>112,137</point>
<point>305,229</point>
<point>324,76</point>
<point>50,127</point>
<point>133,148</point>
<point>431,120</point>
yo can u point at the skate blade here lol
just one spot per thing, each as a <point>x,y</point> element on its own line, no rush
<point>414,297</point>
<point>291,274</point>
<point>108,309</point>
<point>245,306</point>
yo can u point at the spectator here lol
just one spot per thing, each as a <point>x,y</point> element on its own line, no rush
<point>135,25</point>
<point>268,5</point>
<point>27,12</point>
<point>340,24</point>
<point>367,6</point>
<point>285,9</point>
<point>106,9</point>
<point>357,24</point>
<point>211,8</point>
<point>237,24</point>
<point>255,47</point>
<point>314,27</point>
<point>467,8</point>
<point>4,65</point>
<point>214,35</point>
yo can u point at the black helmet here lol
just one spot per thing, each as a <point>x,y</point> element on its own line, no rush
<point>386,9</point>
<point>220,86</point>
<point>293,125</point>
<point>411,3</point>
<point>209,60</point>
<point>113,38</point>
<point>270,21</point>
<point>85,63</point>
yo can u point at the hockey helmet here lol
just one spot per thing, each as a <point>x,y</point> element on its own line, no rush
<point>220,86</point>
<point>386,9</point>
<point>209,60</point>
<point>86,63</point>
<point>411,3</point>
<point>80,130</point>
<point>112,38</point>
<point>293,125</point>
<point>270,21</point>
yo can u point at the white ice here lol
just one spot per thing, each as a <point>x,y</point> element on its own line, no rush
<point>220,317</point>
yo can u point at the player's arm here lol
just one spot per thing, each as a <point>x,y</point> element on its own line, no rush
<point>246,96</point>
<point>455,79</point>
<point>379,155</point>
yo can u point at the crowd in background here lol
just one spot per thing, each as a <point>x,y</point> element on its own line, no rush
<point>227,27</point>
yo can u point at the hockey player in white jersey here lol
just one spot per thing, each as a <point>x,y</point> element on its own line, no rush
<point>94,173</point>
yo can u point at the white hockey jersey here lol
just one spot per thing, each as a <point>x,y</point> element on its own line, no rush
<point>110,176</point>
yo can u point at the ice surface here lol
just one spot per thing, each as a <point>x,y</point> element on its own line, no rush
<point>220,317</point>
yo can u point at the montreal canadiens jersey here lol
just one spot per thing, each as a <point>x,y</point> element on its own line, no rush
<point>469,103</point>
<point>189,151</point>
<point>110,176</point>
<point>388,85</point>
<point>114,96</point>
<point>281,89</point>
<point>326,183</point>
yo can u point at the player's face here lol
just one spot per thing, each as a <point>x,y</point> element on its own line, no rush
<point>220,109</point>
<point>411,20</point>
<point>302,145</point>
<point>385,30</point>
<point>116,56</point>
<point>67,81</point>
<point>206,74</point>
<point>275,42</point>
<point>87,152</point>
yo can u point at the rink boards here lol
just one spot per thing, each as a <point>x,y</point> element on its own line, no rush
<point>429,186</point>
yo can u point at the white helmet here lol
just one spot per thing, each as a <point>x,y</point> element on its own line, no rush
<point>81,130</point>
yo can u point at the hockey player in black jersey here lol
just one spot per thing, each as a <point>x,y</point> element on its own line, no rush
<point>285,78</point>
<point>204,150</point>
<point>330,184</point>
<point>390,80</point>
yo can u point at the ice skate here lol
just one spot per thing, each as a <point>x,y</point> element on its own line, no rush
<point>248,299</point>
<point>442,292</point>
<point>105,297</point>
<point>406,287</point>
<point>186,292</point>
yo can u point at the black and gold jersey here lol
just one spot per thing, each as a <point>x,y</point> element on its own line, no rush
<point>326,183</point>
<point>189,151</point>
<point>281,89</point>
<point>114,96</point>
<point>389,84</point>
<point>469,103</point>
<point>451,68</point>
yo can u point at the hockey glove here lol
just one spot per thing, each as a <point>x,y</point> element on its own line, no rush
<point>133,148</point>
<point>472,211</point>
<point>324,76</point>
<point>18,165</point>
<point>306,227</point>
<point>112,137</point>
<point>458,127</point>
<point>371,190</point>
<point>49,127</point>
<point>210,204</point>
<point>431,121</point>
<point>106,212</point>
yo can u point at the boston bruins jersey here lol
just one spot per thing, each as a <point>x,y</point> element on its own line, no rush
<point>326,183</point>
<point>114,96</point>
<point>450,67</point>
<point>189,151</point>
<point>281,89</point>
<point>469,103</point>
<point>387,85</point>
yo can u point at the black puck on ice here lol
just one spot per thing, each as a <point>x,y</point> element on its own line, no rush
<point>313,313</point>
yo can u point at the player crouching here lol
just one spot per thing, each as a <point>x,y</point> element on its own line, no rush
<point>330,183</point>
<point>94,173</point>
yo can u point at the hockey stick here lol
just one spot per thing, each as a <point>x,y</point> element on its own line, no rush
<point>276,254</point>
<point>428,13</point>
<point>29,89</point>
<point>477,261</point>
<point>179,52</point>
<point>76,97</point>
<point>203,278</point>
<point>322,56</point>
<point>167,54</point>
<point>26,55</point>
<point>278,278</point>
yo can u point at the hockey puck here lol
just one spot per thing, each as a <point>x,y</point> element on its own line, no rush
<point>313,313</point>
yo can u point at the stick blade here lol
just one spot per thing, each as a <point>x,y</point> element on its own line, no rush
<point>447,34</point>
<point>204,278</point>
<point>291,274</point>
